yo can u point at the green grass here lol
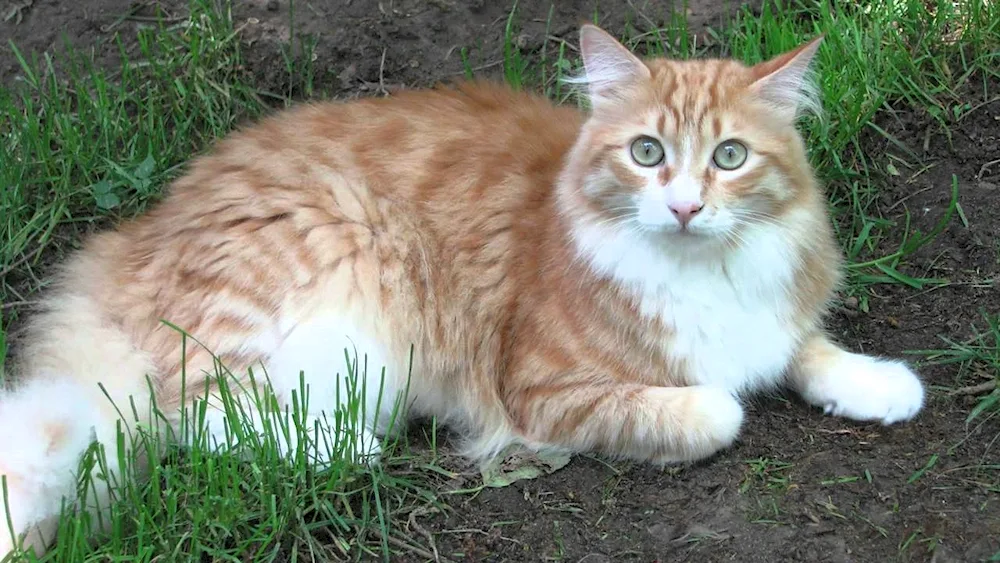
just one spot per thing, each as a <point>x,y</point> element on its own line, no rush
<point>978,375</point>
<point>766,474</point>
<point>766,481</point>
<point>978,359</point>
<point>86,146</point>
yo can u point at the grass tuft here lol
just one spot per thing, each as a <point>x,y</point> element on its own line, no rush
<point>978,359</point>
<point>86,146</point>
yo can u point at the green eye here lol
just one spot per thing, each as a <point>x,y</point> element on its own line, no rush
<point>730,155</point>
<point>647,151</point>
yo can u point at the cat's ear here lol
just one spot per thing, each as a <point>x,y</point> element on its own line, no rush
<point>611,69</point>
<point>786,82</point>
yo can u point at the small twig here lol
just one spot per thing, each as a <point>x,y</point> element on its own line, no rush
<point>381,73</point>
<point>20,303</point>
<point>415,549</point>
<point>478,531</point>
<point>132,10</point>
<point>316,11</point>
<point>973,390</point>
<point>17,11</point>
<point>20,261</point>
<point>156,19</point>
<point>480,67</point>
<point>652,25</point>
<point>984,168</point>
<point>563,41</point>
<point>412,522</point>
<point>977,106</point>
<point>901,201</point>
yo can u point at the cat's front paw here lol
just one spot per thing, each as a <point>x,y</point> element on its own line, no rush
<point>865,388</point>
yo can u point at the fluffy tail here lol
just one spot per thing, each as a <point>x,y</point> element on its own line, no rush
<point>80,382</point>
<point>46,426</point>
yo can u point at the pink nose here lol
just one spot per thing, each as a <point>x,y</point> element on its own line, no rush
<point>686,210</point>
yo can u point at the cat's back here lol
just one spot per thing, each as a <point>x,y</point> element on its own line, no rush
<point>432,189</point>
<point>474,135</point>
<point>443,153</point>
<point>452,163</point>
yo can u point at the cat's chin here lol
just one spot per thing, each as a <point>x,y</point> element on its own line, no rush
<point>688,233</point>
<point>676,234</point>
<point>687,244</point>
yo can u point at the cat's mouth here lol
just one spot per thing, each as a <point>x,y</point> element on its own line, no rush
<point>697,235</point>
<point>685,231</point>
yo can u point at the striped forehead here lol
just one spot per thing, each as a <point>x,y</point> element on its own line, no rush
<point>689,95</point>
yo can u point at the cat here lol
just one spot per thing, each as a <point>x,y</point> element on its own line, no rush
<point>613,279</point>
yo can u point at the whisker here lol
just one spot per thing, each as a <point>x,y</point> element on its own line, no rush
<point>614,219</point>
<point>758,217</point>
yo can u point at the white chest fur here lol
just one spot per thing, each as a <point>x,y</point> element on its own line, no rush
<point>728,311</point>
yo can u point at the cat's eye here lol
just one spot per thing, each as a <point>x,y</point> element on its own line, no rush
<point>730,155</point>
<point>647,151</point>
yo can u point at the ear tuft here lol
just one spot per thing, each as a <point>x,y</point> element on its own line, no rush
<point>787,81</point>
<point>611,70</point>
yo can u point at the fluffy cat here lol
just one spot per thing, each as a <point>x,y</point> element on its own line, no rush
<point>610,281</point>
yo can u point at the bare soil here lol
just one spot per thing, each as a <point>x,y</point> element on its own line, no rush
<point>798,486</point>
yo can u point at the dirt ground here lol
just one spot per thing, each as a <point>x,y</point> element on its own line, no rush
<point>828,489</point>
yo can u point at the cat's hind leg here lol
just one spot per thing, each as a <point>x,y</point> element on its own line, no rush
<point>249,420</point>
<point>326,380</point>
<point>855,386</point>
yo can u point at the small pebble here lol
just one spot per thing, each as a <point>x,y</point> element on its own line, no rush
<point>663,531</point>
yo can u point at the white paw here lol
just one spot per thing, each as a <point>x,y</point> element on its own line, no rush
<point>865,388</point>
<point>706,419</point>
<point>722,411</point>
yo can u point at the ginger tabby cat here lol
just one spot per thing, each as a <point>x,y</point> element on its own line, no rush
<point>610,281</point>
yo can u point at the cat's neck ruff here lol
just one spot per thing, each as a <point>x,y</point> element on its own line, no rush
<point>730,309</point>
<point>760,266</point>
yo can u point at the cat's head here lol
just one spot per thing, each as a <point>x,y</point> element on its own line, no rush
<point>689,150</point>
